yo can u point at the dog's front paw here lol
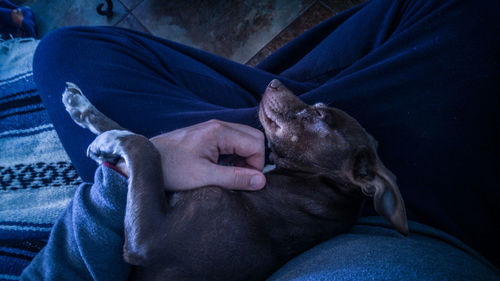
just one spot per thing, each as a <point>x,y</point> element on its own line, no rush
<point>108,146</point>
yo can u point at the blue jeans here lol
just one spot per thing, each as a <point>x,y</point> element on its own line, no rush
<point>421,76</point>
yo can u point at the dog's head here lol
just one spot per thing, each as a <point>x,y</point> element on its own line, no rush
<point>323,140</point>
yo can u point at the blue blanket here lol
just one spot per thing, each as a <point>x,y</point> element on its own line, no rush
<point>37,179</point>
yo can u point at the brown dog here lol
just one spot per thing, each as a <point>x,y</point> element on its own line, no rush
<point>326,165</point>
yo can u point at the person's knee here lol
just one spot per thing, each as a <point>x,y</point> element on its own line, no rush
<point>59,56</point>
<point>54,49</point>
<point>56,41</point>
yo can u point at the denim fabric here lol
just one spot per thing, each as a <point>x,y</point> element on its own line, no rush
<point>372,250</point>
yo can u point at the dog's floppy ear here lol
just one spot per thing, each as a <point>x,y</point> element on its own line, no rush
<point>378,182</point>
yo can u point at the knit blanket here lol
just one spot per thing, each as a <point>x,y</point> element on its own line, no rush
<point>37,179</point>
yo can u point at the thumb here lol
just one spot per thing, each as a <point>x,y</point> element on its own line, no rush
<point>238,178</point>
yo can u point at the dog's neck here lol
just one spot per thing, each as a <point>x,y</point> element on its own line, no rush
<point>302,205</point>
<point>309,193</point>
<point>306,185</point>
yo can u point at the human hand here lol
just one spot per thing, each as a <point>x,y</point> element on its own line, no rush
<point>189,156</point>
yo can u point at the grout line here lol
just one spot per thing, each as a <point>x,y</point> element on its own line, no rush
<point>125,16</point>
<point>121,19</point>
<point>327,6</point>
<point>129,13</point>
<point>130,9</point>
<point>141,24</point>
<point>136,5</point>
<point>126,8</point>
<point>304,10</point>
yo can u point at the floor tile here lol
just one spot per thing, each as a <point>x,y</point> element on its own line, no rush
<point>57,13</point>
<point>131,4</point>
<point>340,5</point>
<point>233,29</point>
<point>356,2</point>
<point>131,22</point>
<point>311,17</point>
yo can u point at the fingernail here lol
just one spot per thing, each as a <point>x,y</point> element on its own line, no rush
<point>257,181</point>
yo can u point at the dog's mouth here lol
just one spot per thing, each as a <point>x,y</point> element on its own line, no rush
<point>272,108</point>
<point>269,119</point>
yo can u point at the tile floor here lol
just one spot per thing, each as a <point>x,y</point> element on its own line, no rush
<point>245,31</point>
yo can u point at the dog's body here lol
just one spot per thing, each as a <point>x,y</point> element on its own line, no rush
<point>324,159</point>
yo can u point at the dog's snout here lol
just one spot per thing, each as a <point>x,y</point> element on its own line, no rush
<point>274,84</point>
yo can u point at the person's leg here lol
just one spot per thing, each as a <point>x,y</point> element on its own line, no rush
<point>423,78</point>
<point>146,84</point>
<point>372,250</point>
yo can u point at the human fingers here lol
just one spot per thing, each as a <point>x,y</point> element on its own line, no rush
<point>234,141</point>
<point>258,134</point>
<point>236,178</point>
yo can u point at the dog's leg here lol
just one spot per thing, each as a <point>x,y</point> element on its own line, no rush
<point>84,113</point>
<point>146,198</point>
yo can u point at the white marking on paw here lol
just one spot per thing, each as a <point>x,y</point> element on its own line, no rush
<point>295,138</point>
<point>115,134</point>
<point>107,146</point>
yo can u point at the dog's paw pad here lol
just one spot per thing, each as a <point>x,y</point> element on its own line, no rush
<point>102,156</point>
<point>107,147</point>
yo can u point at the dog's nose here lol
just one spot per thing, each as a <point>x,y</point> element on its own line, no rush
<point>274,84</point>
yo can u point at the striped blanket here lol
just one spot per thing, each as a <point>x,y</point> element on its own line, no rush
<point>37,179</point>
